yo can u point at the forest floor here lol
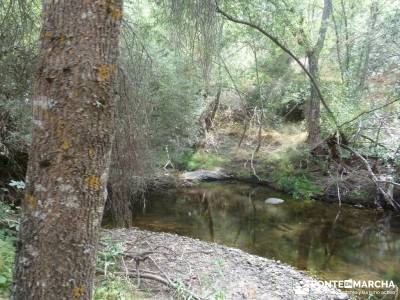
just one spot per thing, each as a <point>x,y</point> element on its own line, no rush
<point>180,267</point>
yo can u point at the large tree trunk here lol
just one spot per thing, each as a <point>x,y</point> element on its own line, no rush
<point>73,103</point>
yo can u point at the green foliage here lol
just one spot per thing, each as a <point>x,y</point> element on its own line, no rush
<point>115,287</point>
<point>7,253</point>
<point>201,160</point>
<point>297,183</point>
<point>109,256</point>
<point>8,219</point>
<point>112,286</point>
<point>290,174</point>
<point>18,50</point>
<point>8,229</point>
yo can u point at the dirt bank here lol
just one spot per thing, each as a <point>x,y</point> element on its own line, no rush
<point>208,271</point>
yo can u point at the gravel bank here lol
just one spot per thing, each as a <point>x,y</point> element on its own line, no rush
<point>211,271</point>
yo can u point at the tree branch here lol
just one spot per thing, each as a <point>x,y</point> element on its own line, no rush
<point>290,53</point>
<point>368,112</point>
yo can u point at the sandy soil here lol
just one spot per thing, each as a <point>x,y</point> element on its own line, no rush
<point>181,267</point>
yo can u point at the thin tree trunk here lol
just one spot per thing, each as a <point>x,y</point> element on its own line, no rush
<point>347,38</point>
<point>313,107</point>
<point>338,50</point>
<point>73,104</point>
<point>313,111</point>
<point>364,61</point>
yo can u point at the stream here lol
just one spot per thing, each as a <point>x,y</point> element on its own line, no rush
<point>331,243</point>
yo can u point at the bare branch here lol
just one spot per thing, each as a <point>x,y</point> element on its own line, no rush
<point>368,112</point>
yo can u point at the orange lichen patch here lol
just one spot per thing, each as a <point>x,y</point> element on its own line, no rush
<point>91,152</point>
<point>103,73</point>
<point>77,292</point>
<point>45,115</point>
<point>76,93</point>
<point>65,145</point>
<point>93,182</point>
<point>61,39</point>
<point>48,35</point>
<point>31,201</point>
<point>116,13</point>
<point>60,127</point>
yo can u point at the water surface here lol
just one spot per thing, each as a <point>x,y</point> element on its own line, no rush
<point>326,241</point>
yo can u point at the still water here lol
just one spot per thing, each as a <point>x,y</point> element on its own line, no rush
<point>326,241</point>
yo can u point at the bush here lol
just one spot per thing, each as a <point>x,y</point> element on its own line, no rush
<point>291,175</point>
<point>297,184</point>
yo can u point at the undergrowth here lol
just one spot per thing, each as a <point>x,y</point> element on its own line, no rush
<point>200,160</point>
<point>297,183</point>
<point>115,287</point>
<point>8,231</point>
<point>290,173</point>
<point>7,254</point>
<point>111,286</point>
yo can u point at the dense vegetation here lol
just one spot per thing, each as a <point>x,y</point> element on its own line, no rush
<point>302,95</point>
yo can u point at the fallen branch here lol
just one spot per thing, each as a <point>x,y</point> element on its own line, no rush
<point>145,274</point>
<point>173,285</point>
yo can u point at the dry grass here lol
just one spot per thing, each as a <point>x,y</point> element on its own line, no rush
<point>272,141</point>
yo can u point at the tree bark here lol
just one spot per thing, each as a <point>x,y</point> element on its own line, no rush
<point>73,110</point>
<point>313,109</point>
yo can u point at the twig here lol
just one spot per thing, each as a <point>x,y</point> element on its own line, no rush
<point>169,162</point>
<point>200,251</point>
<point>368,112</point>
<point>338,188</point>
<point>386,195</point>
<point>375,142</point>
<point>165,282</point>
<point>390,182</point>
<point>252,165</point>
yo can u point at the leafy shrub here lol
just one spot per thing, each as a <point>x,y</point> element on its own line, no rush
<point>297,184</point>
<point>7,253</point>
<point>291,175</point>
<point>108,257</point>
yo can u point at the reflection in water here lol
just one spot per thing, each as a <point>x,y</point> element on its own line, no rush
<point>350,243</point>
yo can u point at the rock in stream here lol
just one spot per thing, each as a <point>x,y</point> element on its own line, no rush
<point>274,201</point>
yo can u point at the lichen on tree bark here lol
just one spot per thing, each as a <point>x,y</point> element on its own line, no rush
<point>70,152</point>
